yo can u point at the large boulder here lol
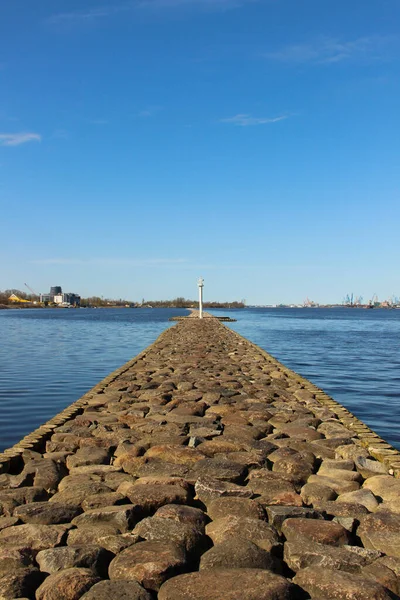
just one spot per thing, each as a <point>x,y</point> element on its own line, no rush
<point>237,553</point>
<point>299,555</point>
<point>119,590</point>
<point>91,557</point>
<point>316,530</point>
<point>227,584</point>
<point>188,535</point>
<point>236,507</point>
<point>322,582</point>
<point>148,563</point>
<point>258,532</point>
<point>20,583</point>
<point>381,531</point>
<point>69,584</point>
<point>46,513</point>
<point>36,537</point>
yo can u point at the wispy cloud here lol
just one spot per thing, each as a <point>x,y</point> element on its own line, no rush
<point>16,139</point>
<point>244,120</point>
<point>89,15</point>
<point>133,262</point>
<point>98,121</point>
<point>108,10</point>
<point>149,111</point>
<point>329,50</point>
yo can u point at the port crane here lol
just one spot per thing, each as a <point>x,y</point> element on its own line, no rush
<point>31,290</point>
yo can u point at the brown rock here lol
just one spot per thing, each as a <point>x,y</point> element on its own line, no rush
<point>364,497</point>
<point>180,455</point>
<point>226,584</point>
<point>322,582</point>
<point>208,489</point>
<point>37,537</point>
<point>340,486</point>
<point>342,474</point>
<point>12,559</point>
<point>220,468</point>
<point>163,530</point>
<point>118,542</point>
<point>69,584</point>
<point>76,494</point>
<point>20,583</point>
<point>148,498</point>
<point>277,515</point>
<point>148,563</point>
<point>120,590</point>
<point>299,555</point>
<point>258,532</point>
<point>298,469</point>
<point>315,493</point>
<point>236,507</point>
<point>88,456</point>
<point>46,513</point>
<point>90,557</point>
<point>183,514</point>
<point>383,486</point>
<point>237,553</point>
<point>382,574</point>
<point>381,531</point>
<point>316,530</point>
<point>343,509</point>
<point>122,517</point>
<point>92,535</point>
<point>101,500</point>
<point>369,468</point>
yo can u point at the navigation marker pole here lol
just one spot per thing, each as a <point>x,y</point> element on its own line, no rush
<point>200,283</point>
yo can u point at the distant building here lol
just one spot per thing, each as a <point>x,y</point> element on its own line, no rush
<point>55,291</point>
<point>57,296</point>
<point>70,299</point>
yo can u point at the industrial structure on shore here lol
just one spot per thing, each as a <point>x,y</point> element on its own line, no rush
<point>60,298</point>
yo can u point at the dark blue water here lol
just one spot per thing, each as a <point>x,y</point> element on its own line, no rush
<point>49,358</point>
<point>352,354</point>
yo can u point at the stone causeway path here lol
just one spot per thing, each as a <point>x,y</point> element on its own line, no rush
<point>203,469</point>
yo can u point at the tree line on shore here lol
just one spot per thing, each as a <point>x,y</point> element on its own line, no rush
<point>99,302</point>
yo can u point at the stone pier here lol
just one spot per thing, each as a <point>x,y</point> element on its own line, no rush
<point>203,469</point>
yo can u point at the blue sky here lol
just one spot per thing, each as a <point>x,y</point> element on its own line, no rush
<point>144,143</point>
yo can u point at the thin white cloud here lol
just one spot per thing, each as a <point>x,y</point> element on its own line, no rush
<point>149,111</point>
<point>90,15</point>
<point>16,139</point>
<point>108,10</point>
<point>98,121</point>
<point>329,50</point>
<point>244,120</point>
<point>147,262</point>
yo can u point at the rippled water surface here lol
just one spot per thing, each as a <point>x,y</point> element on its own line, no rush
<point>49,358</point>
<point>352,354</point>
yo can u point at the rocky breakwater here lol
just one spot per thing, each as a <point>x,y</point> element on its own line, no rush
<point>202,470</point>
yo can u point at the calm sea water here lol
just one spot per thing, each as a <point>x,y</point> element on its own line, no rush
<point>49,358</point>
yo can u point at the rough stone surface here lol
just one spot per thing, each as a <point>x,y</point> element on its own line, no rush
<point>258,532</point>
<point>322,583</point>
<point>323,532</point>
<point>69,584</point>
<point>89,557</point>
<point>227,584</point>
<point>117,590</point>
<point>237,553</point>
<point>148,563</point>
<point>381,531</point>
